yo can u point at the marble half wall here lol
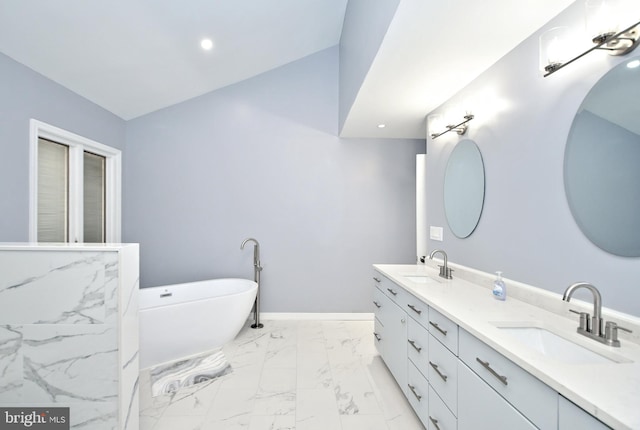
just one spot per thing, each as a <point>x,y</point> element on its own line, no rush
<point>69,331</point>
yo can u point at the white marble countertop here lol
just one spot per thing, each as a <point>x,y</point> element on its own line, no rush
<point>608,391</point>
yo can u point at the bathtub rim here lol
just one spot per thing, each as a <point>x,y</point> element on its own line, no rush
<point>143,291</point>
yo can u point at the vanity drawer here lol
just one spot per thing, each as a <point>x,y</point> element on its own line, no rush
<point>530,396</point>
<point>418,345</point>
<point>440,417</point>
<point>391,289</point>
<point>482,408</point>
<point>443,329</point>
<point>380,305</point>
<point>416,309</point>
<point>378,336</point>
<point>443,373</point>
<point>571,416</point>
<point>418,392</point>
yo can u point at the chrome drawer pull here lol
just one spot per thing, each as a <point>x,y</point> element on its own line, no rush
<point>376,279</point>
<point>392,292</point>
<point>416,347</point>
<point>413,308</point>
<point>413,390</point>
<point>378,338</point>
<point>435,367</point>
<point>437,327</point>
<point>435,422</point>
<point>378,305</point>
<point>486,365</point>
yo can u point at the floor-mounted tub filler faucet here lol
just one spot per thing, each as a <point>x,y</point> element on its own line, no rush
<point>445,271</point>
<point>257,268</point>
<point>592,326</point>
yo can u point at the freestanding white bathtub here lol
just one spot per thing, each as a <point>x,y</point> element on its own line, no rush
<point>177,321</point>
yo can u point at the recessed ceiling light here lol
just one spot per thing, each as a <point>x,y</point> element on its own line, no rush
<point>633,64</point>
<point>206,44</point>
<point>382,125</point>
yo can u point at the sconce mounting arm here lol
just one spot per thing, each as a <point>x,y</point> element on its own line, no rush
<point>617,44</point>
<point>458,128</point>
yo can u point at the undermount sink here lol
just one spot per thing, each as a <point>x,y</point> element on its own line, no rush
<point>556,347</point>
<point>420,279</point>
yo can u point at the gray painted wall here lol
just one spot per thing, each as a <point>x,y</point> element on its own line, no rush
<point>521,126</point>
<point>25,94</point>
<point>262,159</point>
<point>365,24</point>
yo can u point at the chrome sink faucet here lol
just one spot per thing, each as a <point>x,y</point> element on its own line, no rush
<point>592,328</point>
<point>445,271</point>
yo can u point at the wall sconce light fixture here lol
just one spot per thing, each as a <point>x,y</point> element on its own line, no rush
<point>460,128</point>
<point>602,24</point>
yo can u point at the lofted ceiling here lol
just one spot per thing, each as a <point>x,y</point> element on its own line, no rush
<point>133,57</point>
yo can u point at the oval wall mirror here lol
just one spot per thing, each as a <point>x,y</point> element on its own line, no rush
<point>464,188</point>
<point>602,162</point>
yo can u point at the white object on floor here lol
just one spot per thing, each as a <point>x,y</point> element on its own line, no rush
<point>168,378</point>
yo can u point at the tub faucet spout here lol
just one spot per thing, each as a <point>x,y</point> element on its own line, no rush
<point>445,271</point>
<point>256,252</point>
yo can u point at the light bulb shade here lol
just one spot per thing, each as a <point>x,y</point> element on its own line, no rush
<point>602,18</point>
<point>555,47</point>
<point>435,124</point>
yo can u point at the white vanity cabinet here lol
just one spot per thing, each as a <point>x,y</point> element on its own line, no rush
<point>440,416</point>
<point>443,329</point>
<point>455,380</point>
<point>481,408</point>
<point>425,367</point>
<point>395,348</point>
<point>443,373</point>
<point>418,353</point>
<point>418,345</point>
<point>527,394</point>
<point>391,330</point>
<point>417,392</point>
<point>571,417</point>
<point>381,303</point>
<point>416,309</point>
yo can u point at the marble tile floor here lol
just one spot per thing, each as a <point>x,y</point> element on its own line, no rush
<point>303,375</point>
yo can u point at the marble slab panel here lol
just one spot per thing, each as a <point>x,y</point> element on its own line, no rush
<point>11,368</point>
<point>127,302</point>
<point>69,331</point>
<point>70,363</point>
<point>57,288</point>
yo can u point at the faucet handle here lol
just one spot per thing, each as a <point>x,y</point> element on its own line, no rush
<point>585,321</point>
<point>625,329</point>
<point>611,333</point>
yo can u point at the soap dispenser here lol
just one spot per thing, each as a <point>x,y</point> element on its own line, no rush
<point>499,288</point>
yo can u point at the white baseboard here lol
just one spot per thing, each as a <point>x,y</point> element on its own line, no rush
<point>312,316</point>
